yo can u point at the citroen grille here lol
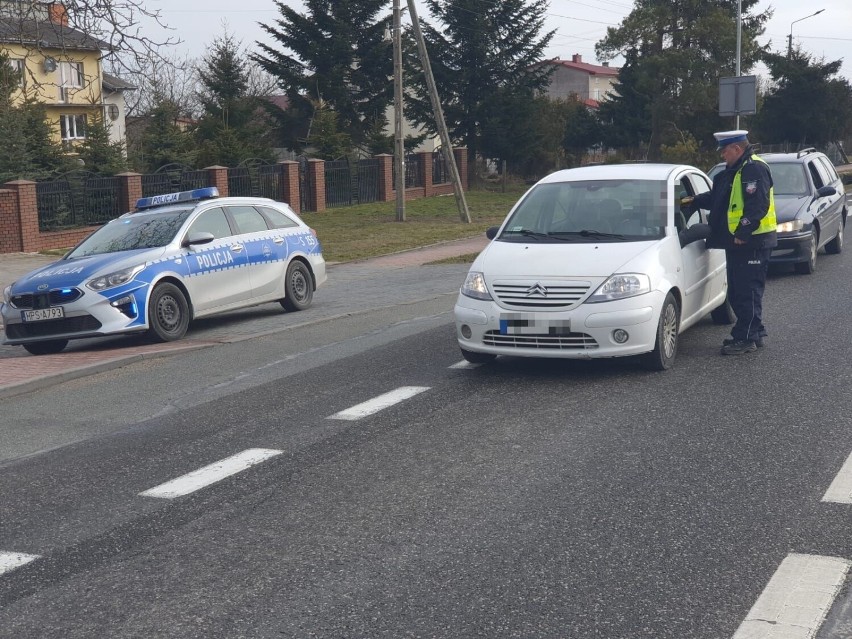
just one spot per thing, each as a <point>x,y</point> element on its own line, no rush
<point>541,295</point>
<point>569,342</point>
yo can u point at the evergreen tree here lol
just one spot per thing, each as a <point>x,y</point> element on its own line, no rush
<point>163,142</point>
<point>806,104</point>
<point>330,143</point>
<point>100,154</point>
<point>582,131</point>
<point>333,54</point>
<point>231,129</point>
<point>28,150</point>
<point>482,59</point>
<point>675,52</point>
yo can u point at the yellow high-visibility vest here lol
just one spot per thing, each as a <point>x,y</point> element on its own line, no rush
<point>735,211</point>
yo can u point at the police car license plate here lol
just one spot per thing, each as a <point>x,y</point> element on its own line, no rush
<point>531,324</point>
<point>40,314</point>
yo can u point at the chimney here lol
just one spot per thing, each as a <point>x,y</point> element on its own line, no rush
<point>576,58</point>
<point>605,64</point>
<point>57,14</point>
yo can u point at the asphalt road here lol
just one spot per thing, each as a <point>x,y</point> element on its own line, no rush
<point>520,499</point>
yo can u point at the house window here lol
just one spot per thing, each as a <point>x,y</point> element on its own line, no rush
<point>70,77</point>
<point>73,127</point>
<point>17,66</point>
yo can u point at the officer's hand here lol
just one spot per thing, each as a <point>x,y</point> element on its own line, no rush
<point>685,201</point>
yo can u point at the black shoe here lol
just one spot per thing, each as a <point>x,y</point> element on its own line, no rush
<point>738,347</point>
<point>730,340</point>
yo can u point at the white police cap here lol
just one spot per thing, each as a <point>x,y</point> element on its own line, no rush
<point>724,138</point>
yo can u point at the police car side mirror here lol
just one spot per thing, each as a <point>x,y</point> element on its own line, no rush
<point>199,237</point>
<point>491,232</point>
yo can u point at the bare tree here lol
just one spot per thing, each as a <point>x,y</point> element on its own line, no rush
<point>112,26</point>
<point>162,77</point>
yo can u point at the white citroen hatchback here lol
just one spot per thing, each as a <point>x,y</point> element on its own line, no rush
<point>595,262</point>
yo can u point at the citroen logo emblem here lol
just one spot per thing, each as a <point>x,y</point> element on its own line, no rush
<point>537,290</point>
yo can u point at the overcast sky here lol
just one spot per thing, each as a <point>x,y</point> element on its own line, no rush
<point>579,24</point>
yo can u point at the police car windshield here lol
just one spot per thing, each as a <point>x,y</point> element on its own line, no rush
<point>590,211</point>
<point>137,231</point>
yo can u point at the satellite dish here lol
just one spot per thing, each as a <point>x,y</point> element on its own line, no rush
<point>49,65</point>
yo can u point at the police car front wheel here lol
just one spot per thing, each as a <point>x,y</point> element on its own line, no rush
<point>298,287</point>
<point>168,313</point>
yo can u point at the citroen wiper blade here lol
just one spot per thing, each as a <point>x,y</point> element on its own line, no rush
<point>592,233</point>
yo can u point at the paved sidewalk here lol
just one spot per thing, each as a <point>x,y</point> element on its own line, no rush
<point>369,283</point>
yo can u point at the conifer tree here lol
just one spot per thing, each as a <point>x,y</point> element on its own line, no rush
<point>675,52</point>
<point>230,129</point>
<point>481,49</point>
<point>334,54</point>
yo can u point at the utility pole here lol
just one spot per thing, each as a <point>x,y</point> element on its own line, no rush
<point>446,146</point>
<point>399,142</point>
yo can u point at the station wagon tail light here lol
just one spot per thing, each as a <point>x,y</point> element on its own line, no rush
<point>474,286</point>
<point>620,286</point>
<point>313,231</point>
<point>790,227</point>
<point>114,279</point>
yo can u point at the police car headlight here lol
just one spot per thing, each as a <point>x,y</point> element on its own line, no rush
<point>620,286</point>
<point>790,227</point>
<point>474,286</point>
<point>114,279</point>
<point>7,294</point>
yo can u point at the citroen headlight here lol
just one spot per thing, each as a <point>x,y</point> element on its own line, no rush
<point>474,286</point>
<point>790,227</point>
<point>114,279</point>
<point>620,286</point>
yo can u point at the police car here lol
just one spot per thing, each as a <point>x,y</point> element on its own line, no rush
<point>178,257</point>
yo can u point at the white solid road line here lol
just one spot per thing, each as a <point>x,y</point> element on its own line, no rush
<point>379,403</point>
<point>11,560</point>
<point>210,474</point>
<point>840,491</point>
<point>796,600</point>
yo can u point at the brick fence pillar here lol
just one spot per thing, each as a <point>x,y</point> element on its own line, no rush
<point>19,214</point>
<point>290,184</point>
<point>129,191</point>
<point>460,154</point>
<point>316,178</point>
<point>218,176</point>
<point>426,172</point>
<point>386,193</point>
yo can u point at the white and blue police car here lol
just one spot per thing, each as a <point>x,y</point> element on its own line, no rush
<point>178,257</point>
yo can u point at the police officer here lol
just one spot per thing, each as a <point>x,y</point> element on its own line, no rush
<point>742,221</point>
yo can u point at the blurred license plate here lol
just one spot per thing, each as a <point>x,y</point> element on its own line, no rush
<point>532,324</point>
<point>40,314</point>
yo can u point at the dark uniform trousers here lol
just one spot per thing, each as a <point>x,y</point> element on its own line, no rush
<point>746,281</point>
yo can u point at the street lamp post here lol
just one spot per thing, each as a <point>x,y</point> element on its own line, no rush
<point>399,142</point>
<point>790,37</point>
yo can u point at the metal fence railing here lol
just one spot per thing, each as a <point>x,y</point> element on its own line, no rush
<point>338,183</point>
<point>77,198</point>
<point>439,169</point>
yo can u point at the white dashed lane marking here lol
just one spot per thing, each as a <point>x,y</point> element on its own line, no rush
<point>465,364</point>
<point>796,600</point>
<point>379,403</point>
<point>210,474</point>
<point>11,560</point>
<point>840,491</point>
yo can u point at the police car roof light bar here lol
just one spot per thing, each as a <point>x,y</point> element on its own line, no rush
<point>173,198</point>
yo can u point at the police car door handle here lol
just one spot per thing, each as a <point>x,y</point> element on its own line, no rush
<point>237,247</point>
<point>279,240</point>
